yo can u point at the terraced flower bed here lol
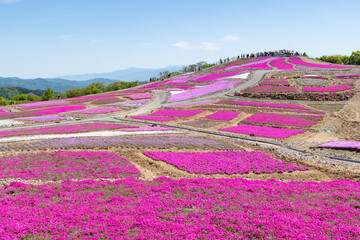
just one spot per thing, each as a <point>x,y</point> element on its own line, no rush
<point>63,165</point>
<point>270,89</point>
<point>99,110</point>
<point>139,96</point>
<point>223,115</point>
<point>298,61</point>
<point>335,88</point>
<point>229,162</point>
<point>160,141</point>
<point>341,145</point>
<point>261,131</point>
<point>45,118</point>
<point>279,120</point>
<point>106,100</point>
<point>255,66</point>
<point>281,64</point>
<point>203,90</point>
<point>174,209</point>
<point>277,82</point>
<point>264,104</point>
<point>216,76</point>
<point>73,128</point>
<point>176,113</point>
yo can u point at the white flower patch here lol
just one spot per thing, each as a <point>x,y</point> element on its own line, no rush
<point>241,76</point>
<point>9,123</point>
<point>87,134</point>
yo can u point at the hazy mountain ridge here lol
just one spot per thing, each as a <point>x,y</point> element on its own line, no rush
<point>129,74</point>
<point>58,84</point>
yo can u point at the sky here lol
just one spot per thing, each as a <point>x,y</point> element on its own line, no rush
<point>50,38</point>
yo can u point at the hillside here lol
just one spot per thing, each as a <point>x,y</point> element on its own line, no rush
<point>256,148</point>
<point>9,92</point>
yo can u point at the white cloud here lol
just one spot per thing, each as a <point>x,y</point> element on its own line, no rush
<point>183,45</point>
<point>10,1</point>
<point>66,37</point>
<point>230,38</point>
<point>208,46</point>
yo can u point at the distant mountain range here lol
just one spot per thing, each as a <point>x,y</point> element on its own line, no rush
<point>61,84</point>
<point>58,84</point>
<point>129,74</point>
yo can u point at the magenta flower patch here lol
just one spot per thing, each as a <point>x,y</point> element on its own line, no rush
<point>154,118</point>
<point>223,115</point>
<point>298,61</point>
<point>260,131</point>
<point>282,64</point>
<point>55,110</point>
<point>279,120</point>
<point>270,89</point>
<point>176,113</point>
<point>63,165</point>
<point>228,162</point>
<point>99,110</point>
<point>181,209</point>
<point>264,104</point>
<point>139,96</point>
<point>335,88</point>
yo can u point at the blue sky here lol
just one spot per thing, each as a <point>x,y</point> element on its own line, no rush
<point>48,38</point>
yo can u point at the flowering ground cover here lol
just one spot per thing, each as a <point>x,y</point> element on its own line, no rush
<point>216,76</point>
<point>73,128</point>
<point>341,144</point>
<point>228,162</point>
<point>278,120</point>
<point>176,113</point>
<point>106,100</point>
<point>348,75</point>
<point>180,209</point>
<point>275,82</point>
<point>160,141</point>
<point>55,110</point>
<point>223,115</point>
<point>190,103</point>
<point>203,90</point>
<point>270,89</point>
<point>254,66</point>
<point>282,64</point>
<point>298,61</point>
<point>139,96</point>
<point>142,129</point>
<point>264,104</point>
<point>45,118</point>
<point>257,62</point>
<point>261,131</point>
<point>40,104</point>
<point>154,118</point>
<point>349,80</point>
<point>335,88</point>
<point>63,165</point>
<point>99,110</point>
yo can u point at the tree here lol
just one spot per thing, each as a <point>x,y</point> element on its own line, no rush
<point>21,97</point>
<point>75,92</point>
<point>48,94</point>
<point>355,58</point>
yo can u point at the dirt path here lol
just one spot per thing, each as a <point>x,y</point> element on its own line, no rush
<point>159,96</point>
